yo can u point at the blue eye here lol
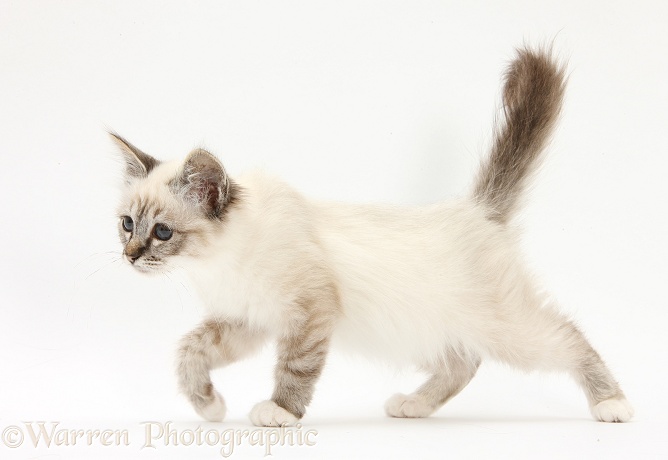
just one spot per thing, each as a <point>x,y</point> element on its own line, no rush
<point>162,232</point>
<point>128,224</point>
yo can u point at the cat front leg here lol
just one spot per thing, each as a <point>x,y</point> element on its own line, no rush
<point>300,362</point>
<point>212,344</point>
<point>301,358</point>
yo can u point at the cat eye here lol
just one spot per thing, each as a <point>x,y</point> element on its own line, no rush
<point>162,232</point>
<point>128,224</point>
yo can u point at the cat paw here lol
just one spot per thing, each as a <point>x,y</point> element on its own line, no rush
<point>214,411</point>
<point>268,413</point>
<point>613,410</point>
<point>408,406</point>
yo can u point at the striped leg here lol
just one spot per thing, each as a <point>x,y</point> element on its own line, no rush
<point>301,358</point>
<point>212,344</point>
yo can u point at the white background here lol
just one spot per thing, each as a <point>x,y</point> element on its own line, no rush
<point>350,100</point>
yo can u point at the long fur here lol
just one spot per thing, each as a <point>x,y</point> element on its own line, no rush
<point>532,99</point>
<point>440,287</point>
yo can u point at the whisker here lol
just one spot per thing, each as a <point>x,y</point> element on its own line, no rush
<point>167,273</point>
<point>195,300</point>
<point>118,259</point>
<point>96,254</point>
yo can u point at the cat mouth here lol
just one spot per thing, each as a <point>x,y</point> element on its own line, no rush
<point>147,266</point>
<point>148,270</point>
<point>143,269</point>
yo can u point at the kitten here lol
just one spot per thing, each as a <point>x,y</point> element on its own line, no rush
<point>440,287</point>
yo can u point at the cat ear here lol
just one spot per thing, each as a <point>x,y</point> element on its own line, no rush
<point>204,182</point>
<point>137,163</point>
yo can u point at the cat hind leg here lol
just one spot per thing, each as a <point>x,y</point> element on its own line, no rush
<point>545,340</point>
<point>448,378</point>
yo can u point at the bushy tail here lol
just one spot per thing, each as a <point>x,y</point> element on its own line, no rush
<point>532,98</point>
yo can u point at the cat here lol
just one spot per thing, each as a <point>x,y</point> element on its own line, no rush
<point>439,287</point>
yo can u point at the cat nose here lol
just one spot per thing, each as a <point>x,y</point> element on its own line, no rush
<point>134,252</point>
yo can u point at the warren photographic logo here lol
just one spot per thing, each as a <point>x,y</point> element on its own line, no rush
<point>49,434</point>
<point>154,435</point>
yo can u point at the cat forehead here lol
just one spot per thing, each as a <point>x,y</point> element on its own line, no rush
<point>152,193</point>
<point>163,173</point>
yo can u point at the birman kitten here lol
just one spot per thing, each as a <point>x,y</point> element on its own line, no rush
<point>440,287</point>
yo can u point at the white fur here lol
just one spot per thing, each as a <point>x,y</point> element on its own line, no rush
<point>268,413</point>
<point>410,406</point>
<point>411,281</point>
<point>613,410</point>
<point>214,412</point>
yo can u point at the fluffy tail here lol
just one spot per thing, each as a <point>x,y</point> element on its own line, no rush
<point>532,98</point>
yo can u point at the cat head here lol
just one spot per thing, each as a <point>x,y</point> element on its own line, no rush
<point>170,209</point>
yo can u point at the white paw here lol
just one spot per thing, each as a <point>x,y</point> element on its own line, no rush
<point>613,410</point>
<point>214,412</point>
<point>268,413</point>
<point>412,406</point>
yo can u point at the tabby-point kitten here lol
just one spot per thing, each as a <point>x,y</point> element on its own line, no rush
<point>440,287</point>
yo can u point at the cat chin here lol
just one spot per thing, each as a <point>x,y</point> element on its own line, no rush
<point>149,271</point>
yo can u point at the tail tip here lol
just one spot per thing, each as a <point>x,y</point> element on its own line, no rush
<point>534,70</point>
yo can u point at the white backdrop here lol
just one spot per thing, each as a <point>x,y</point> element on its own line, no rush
<point>366,101</point>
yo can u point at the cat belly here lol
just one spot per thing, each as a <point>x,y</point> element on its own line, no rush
<point>404,335</point>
